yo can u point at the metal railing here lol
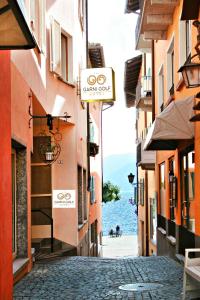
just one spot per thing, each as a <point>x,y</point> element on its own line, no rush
<point>143,88</point>
<point>51,221</point>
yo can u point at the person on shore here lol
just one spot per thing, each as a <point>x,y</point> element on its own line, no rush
<point>117,230</point>
<point>111,232</point>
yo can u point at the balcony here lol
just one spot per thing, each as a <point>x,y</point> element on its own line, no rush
<point>143,94</point>
<point>132,72</point>
<point>155,18</point>
<point>140,42</point>
<point>145,159</point>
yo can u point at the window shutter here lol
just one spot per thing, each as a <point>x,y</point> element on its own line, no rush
<point>55,47</point>
<point>42,25</point>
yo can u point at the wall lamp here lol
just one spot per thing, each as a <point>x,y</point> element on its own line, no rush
<point>191,69</point>
<point>131,178</point>
<point>14,30</point>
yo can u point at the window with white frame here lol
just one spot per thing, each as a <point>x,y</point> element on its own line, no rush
<point>162,190</point>
<point>60,52</point>
<point>184,42</point>
<point>37,22</point>
<point>170,69</point>
<point>160,90</point>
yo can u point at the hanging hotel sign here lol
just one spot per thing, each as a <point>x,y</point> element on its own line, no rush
<point>64,199</point>
<point>97,84</point>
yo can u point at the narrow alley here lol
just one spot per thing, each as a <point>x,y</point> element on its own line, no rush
<point>87,278</point>
<point>100,149</point>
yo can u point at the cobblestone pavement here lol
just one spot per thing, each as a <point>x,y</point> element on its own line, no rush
<point>82,278</point>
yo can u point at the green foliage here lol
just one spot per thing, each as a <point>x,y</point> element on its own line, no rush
<point>111,192</point>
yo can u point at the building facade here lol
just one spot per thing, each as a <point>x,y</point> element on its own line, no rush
<point>48,128</point>
<point>168,29</point>
<point>138,90</point>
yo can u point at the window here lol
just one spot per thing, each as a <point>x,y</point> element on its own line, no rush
<point>37,22</point>
<point>64,57</point>
<point>82,195</point>
<point>162,190</point>
<point>170,69</point>
<point>85,193</point>
<point>184,39</point>
<point>172,189</point>
<point>188,37</point>
<point>187,189</point>
<point>141,191</point>
<point>153,219</point>
<point>60,52</point>
<point>160,90</point>
<point>92,190</point>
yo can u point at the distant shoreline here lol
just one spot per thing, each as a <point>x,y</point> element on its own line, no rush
<point>125,234</point>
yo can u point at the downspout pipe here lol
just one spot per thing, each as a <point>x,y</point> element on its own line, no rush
<point>87,106</point>
<point>88,122</point>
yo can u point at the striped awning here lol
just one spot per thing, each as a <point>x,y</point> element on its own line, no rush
<point>132,71</point>
<point>171,126</point>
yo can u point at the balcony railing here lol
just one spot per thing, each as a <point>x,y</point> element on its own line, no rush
<point>145,159</point>
<point>143,93</point>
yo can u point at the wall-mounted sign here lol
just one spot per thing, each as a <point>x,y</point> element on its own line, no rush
<point>97,84</point>
<point>64,199</point>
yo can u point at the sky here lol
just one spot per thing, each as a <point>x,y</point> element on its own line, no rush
<point>114,30</point>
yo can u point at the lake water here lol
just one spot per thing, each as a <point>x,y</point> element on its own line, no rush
<point>120,213</point>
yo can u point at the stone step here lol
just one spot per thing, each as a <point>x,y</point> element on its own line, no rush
<point>39,257</point>
<point>44,245</point>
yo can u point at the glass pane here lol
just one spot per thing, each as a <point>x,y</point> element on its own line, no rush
<point>153,220</point>
<point>162,190</point>
<point>64,57</point>
<point>187,189</point>
<point>191,178</point>
<point>191,175</point>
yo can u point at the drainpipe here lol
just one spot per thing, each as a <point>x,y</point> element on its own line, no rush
<point>88,107</point>
<point>88,124</point>
<point>153,79</point>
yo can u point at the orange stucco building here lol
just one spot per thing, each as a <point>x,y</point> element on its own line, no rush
<point>165,30</point>
<point>48,144</point>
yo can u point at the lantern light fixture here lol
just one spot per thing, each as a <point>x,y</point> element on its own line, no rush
<point>131,178</point>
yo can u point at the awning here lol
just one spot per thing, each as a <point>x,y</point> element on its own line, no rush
<point>132,72</point>
<point>171,126</point>
<point>190,10</point>
<point>132,6</point>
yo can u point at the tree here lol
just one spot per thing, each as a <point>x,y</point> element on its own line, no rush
<point>111,192</point>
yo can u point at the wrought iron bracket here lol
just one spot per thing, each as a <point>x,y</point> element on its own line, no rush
<point>49,118</point>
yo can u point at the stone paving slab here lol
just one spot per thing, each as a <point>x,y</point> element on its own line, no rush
<point>88,278</point>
